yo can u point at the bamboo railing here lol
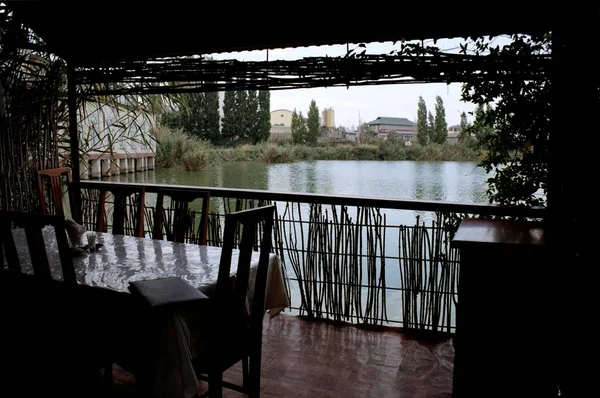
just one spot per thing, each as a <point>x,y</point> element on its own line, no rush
<point>348,259</point>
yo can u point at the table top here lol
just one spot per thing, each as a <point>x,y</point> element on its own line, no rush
<point>498,232</point>
<point>123,259</point>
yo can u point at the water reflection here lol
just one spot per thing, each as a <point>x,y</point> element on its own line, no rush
<point>447,181</point>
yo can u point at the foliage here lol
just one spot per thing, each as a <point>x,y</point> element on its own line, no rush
<point>312,123</point>
<point>440,126</point>
<point>299,130</point>
<point>250,117</point>
<point>197,114</point>
<point>464,134</point>
<point>482,128</point>
<point>276,154</point>
<point>366,133</point>
<point>513,134</point>
<point>392,148</point>
<point>177,148</point>
<point>430,128</point>
<point>211,119</point>
<point>422,130</point>
<point>241,112</point>
<point>263,129</point>
<point>229,128</point>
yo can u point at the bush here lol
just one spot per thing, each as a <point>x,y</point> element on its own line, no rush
<point>276,154</point>
<point>176,148</point>
<point>199,158</point>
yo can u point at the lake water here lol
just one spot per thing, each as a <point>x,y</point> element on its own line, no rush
<point>446,181</point>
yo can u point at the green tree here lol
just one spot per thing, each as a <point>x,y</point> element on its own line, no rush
<point>366,132</point>
<point>514,133</point>
<point>302,128</point>
<point>312,123</point>
<point>211,119</point>
<point>229,122</point>
<point>251,116</point>
<point>464,135</point>
<point>482,128</point>
<point>295,128</point>
<point>431,128</point>
<point>440,124</point>
<point>299,129</point>
<point>264,117</point>
<point>422,130</point>
<point>241,109</point>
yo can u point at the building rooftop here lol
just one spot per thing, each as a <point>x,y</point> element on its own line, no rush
<point>394,121</point>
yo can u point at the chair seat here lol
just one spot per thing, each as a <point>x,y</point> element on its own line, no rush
<point>166,291</point>
<point>235,348</point>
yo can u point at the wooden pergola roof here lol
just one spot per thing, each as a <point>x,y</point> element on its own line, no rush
<point>92,32</point>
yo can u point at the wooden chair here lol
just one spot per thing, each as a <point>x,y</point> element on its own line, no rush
<point>233,336</point>
<point>177,222</point>
<point>123,196</point>
<point>231,330</point>
<point>32,226</point>
<point>55,177</point>
<point>72,315</point>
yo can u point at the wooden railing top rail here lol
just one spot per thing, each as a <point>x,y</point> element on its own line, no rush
<point>387,203</point>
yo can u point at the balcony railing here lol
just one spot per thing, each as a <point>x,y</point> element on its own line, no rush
<point>350,259</point>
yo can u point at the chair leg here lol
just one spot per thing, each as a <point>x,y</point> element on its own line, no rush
<point>215,384</point>
<point>254,379</point>
<point>245,373</point>
<point>107,378</point>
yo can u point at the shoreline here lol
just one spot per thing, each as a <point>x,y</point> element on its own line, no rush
<point>193,154</point>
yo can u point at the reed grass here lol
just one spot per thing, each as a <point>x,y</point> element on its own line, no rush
<point>177,149</point>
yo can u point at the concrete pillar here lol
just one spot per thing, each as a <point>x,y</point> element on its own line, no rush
<point>139,164</point>
<point>123,164</point>
<point>84,170</point>
<point>131,165</point>
<point>105,167</point>
<point>96,168</point>
<point>144,164</point>
<point>151,163</point>
<point>114,167</point>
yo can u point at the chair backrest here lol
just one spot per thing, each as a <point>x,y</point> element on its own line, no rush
<point>30,227</point>
<point>124,196</point>
<point>177,221</point>
<point>55,178</point>
<point>233,306</point>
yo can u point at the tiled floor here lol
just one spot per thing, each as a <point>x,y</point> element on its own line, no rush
<point>304,358</point>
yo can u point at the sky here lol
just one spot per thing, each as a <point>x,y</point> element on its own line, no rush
<point>364,102</point>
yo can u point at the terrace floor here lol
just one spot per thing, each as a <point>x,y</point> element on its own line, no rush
<point>303,358</point>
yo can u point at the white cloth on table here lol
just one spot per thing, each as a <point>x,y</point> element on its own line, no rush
<point>175,377</point>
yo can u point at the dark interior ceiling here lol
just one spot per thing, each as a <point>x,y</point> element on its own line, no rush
<point>95,31</point>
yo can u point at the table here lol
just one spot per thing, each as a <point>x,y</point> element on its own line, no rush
<point>503,307</point>
<point>122,259</point>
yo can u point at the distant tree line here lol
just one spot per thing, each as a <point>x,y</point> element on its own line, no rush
<point>246,116</point>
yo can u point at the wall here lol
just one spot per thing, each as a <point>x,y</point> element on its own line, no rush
<point>281,116</point>
<point>114,140</point>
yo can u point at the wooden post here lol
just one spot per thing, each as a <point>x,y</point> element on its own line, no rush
<point>572,212</point>
<point>74,141</point>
